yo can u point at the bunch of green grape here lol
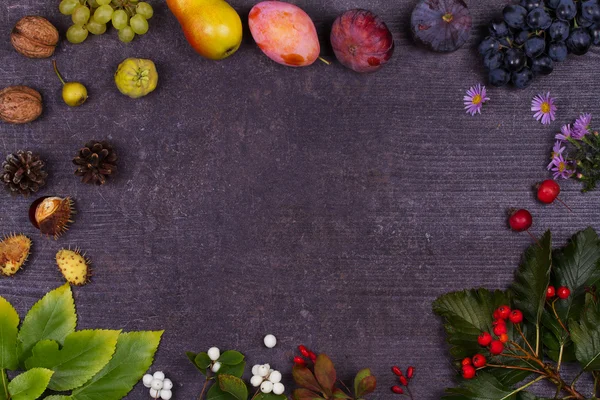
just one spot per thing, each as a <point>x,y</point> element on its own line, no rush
<point>129,17</point>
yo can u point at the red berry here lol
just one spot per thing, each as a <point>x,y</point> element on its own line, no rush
<point>484,339</point>
<point>550,292</point>
<point>468,372</point>
<point>500,330</point>
<point>496,347</point>
<point>563,292</point>
<point>516,316</point>
<point>410,372</point>
<point>312,356</point>
<point>302,349</point>
<point>548,191</point>
<point>520,220</point>
<point>504,312</point>
<point>503,338</point>
<point>466,361</point>
<point>496,315</point>
<point>397,371</point>
<point>299,360</point>
<point>397,390</point>
<point>403,380</point>
<point>499,322</point>
<point>479,360</point>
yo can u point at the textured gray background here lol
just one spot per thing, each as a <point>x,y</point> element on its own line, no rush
<point>323,206</point>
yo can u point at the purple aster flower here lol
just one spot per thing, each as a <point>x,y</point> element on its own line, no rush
<point>582,126</point>
<point>557,151</point>
<point>544,108</point>
<point>561,168</point>
<point>565,132</point>
<point>474,99</point>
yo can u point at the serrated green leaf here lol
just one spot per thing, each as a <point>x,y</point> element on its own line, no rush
<point>270,396</point>
<point>360,375</point>
<point>532,279</point>
<point>132,358</point>
<point>9,323</point>
<point>484,387</point>
<point>235,370</point>
<point>231,357</point>
<point>83,355</point>
<point>215,393</point>
<point>234,386</point>
<point>325,373</point>
<point>30,384</point>
<point>52,318</point>
<point>586,337</point>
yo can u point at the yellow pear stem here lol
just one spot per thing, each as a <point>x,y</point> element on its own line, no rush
<point>325,61</point>
<point>58,73</point>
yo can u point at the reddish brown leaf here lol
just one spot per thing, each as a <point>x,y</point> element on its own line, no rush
<point>305,394</point>
<point>305,378</point>
<point>325,373</point>
<point>366,386</point>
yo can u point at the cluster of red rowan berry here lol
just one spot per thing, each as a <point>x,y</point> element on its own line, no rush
<point>404,380</point>
<point>304,352</point>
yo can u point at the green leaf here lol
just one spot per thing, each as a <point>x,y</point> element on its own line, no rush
<point>132,358</point>
<point>484,387</point>
<point>586,337</point>
<point>305,378</point>
<point>30,384</point>
<point>340,394</point>
<point>270,396</point>
<point>58,397</point>
<point>233,385</point>
<point>192,357</point>
<point>231,357</point>
<point>325,373</point>
<point>362,374</point>
<point>305,394</point>
<point>366,386</point>
<point>9,323</point>
<point>53,318</point>
<point>83,355</point>
<point>235,370</point>
<point>215,393</point>
<point>3,385</point>
<point>202,360</point>
<point>532,279</point>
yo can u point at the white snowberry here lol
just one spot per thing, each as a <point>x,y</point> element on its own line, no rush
<point>255,369</point>
<point>156,384</point>
<point>263,370</point>
<point>266,387</point>
<point>268,366</point>
<point>214,353</point>
<point>159,375</point>
<point>167,384</point>
<point>166,394</point>
<point>147,380</point>
<point>270,341</point>
<point>256,380</point>
<point>155,394</point>
<point>278,388</point>
<point>216,367</point>
<point>275,377</point>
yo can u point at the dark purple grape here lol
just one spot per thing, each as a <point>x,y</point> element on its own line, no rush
<point>595,34</point>
<point>514,16</point>
<point>579,41</point>
<point>534,47</point>
<point>514,60</point>
<point>566,10</point>
<point>492,60</point>
<point>582,22</point>
<point>552,3</point>
<point>531,4</point>
<point>488,44</point>
<point>499,29</point>
<point>542,65</point>
<point>590,11</point>
<point>523,78</point>
<point>538,18</point>
<point>442,26</point>
<point>559,30</point>
<point>521,37</point>
<point>499,77</point>
<point>557,51</point>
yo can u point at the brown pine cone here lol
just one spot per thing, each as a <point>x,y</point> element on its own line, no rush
<point>96,161</point>
<point>23,173</point>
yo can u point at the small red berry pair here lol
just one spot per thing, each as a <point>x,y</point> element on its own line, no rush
<point>563,292</point>
<point>305,353</point>
<point>469,365</point>
<point>404,380</point>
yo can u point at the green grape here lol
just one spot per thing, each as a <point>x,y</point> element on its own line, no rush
<point>66,7</point>
<point>120,19</point>
<point>139,24</point>
<point>95,27</point>
<point>103,14</point>
<point>77,34</point>
<point>103,2</point>
<point>93,4</point>
<point>126,34</point>
<point>81,15</point>
<point>144,9</point>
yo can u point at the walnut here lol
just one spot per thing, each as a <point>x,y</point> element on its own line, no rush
<point>20,104</point>
<point>34,37</point>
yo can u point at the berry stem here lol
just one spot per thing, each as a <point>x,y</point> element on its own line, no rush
<point>534,238</point>
<point>343,384</point>
<point>324,60</point>
<point>255,394</point>
<point>205,385</point>
<point>518,327</point>
<point>409,393</point>
<point>58,73</point>
<point>558,318</point>
<point>564,204</point>
<point>536,371</point>
<point>560,355</point>
<point>4,383</point>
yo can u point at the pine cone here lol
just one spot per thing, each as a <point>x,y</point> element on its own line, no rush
<point>96,161</point>
<point>23,173</point>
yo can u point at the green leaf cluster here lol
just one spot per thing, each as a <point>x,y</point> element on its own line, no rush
<point>91,364</point>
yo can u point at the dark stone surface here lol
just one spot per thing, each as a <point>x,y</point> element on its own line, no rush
<point>322,206</point>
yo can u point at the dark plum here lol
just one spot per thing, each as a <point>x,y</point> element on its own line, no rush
<point>531,4</point>
<point>566,10</point>
<point>534,47</point>
<point>595,34</point>
<point>558,51</point>
<point>499,29</point>
<point>499,77</point>
<point>488,44</point>
<point>542,65</point>
<point>514,16</point>
<point>442,26</point>
<point>521,37</point>
<point>538,18</point>
<point>523,78</point>
<point>559,30</point>
<point>514,60</point>
<point>493,60</point>
<point>590,10</point>
<point>579,41</point>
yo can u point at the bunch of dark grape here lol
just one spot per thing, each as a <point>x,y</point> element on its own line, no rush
<point>536,34</point>
<point>129,17</point>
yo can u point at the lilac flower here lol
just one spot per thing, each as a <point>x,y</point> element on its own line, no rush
<point>544,108</point>
<point>560,167</point>
<point>473,101</point>
<point>557,151</point>
<point>566,131</point>
<point>582,126</point>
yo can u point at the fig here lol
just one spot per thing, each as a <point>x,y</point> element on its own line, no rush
<point>361,41</point>
<point>441,25</point>
<point>285,33</point>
